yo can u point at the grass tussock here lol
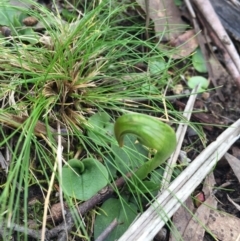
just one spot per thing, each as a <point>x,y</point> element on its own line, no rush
<point>94,64</point>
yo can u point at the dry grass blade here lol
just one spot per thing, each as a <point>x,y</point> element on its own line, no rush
<point>14,121</point>
<point>181,131</point>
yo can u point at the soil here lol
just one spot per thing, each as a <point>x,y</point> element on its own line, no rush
<point>221,113</point>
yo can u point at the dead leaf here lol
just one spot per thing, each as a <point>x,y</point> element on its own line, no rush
<point>224,226</point>
<point>184,224</point>
<point>236,152</point>
<point>208,185</point>
<point>56,212</point>
<point>235,164</point>
<point>218,70</point>
<point>185,44</point>
<point>166,17</point>
<point>181,219</point>
<point>195,229</point>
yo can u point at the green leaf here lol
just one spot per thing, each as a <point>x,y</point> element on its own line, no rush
<point>83,179</point>
<point>109,163</point>
<point>129,157</point>
<point>157,175</point>
<point>8,14</point>
<point>124,212</point>
<point>100,129</point>
<point>68,15</point>
<point>12,17</point>
<point>199,62</point>
<point>178,2</point>
<point>28,34</point>
<point>156,67</point>
<point>195,80</point>
<point>149,186</point>
<point>149,89</point>
<point>144,187</point>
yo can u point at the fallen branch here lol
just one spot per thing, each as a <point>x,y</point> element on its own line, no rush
<point>210,16</point>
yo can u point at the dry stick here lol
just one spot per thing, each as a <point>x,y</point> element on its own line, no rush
<point>231,67</point>
<point>108,230</point>
<point>213,78</point>
<point>147,18</point>
<point>21,229</point>
<point>47,201</point>
<point>59,163</point>
<point>190,8</point>
<point>181,131</point>
<point>211,17</point>
<point>203,48</point>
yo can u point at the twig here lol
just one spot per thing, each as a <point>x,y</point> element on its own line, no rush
<point>46,203</point>
<point>59,163</point>
<point>231,67</point>
<point>18,228</point>
<point>108,230</point>
<point>201,42</point>
<point>147,18</point>
<point>211,17</point>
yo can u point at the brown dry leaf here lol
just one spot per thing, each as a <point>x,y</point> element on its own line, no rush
<point>185,44</point>
<point>236,151</point>
<point>208,185</point>
<point>195,229</point>
<point>208,118</point>
<point>234,163</point>
<point>218,70</point>
<point>218,75</point>
<point>187,227</point>
<point>166,17</point>
<point>15,121</point>
<point>178,89</point>
<point>56,212</point>
<point>181,219</point>
<point>224,226</point>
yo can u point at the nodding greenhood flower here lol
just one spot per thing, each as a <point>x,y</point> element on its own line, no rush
<point>151,133</point>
